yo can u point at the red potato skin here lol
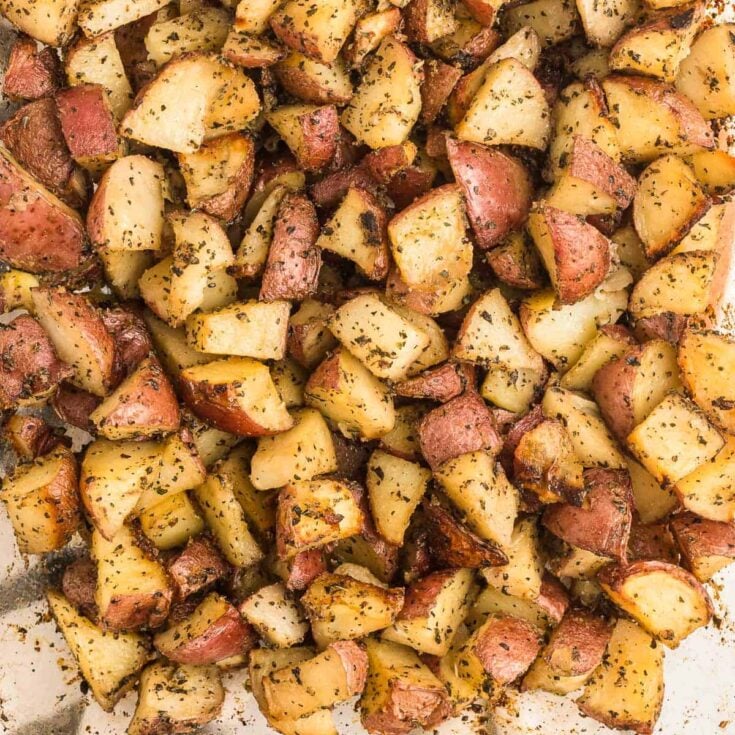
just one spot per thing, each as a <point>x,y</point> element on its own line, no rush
<point>352,456</point>
<point>87,121</point>
<point>73,405</point>
<point>130,334</point>
<point>652,541</point>
<point>507,648</point>
<point>514,435</point>
<point>36,235</point>
<point>603,524</point>
<point>304,568</point>
<point>227,636</point>
<point>78,585</point>
<point>409,184</point>
<point>481,11</point>
<point>666,326</point>
<point>553,598</point>
<point>283,27</point>
<point>292,268</point>
<point>355,662</point>
<point>698,537</point>
<point>409,707</point>
<point>197,567</point>
<point>421,595</point>
<point>453,545</point>
<point>30,73</point>
<point>581,255</point>
<point>132,612</point>
<point>30,436</point>
<point>329,191</point>
<point>385,163</point>
<point>497,189</point>
<point>440,384</point>
<point>464,424</point>
<point>29,365</point>
<point>130,42</point>
<point>438,82</point>
<point>34,136</point>
<point>320,130</point>
<point>519,272</point>
<point>580,638</point>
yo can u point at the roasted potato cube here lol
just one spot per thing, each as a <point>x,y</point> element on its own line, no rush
<point>348,394</point>
<point>708,490</point>
<point>508,108</point>
<point>276,616</point>
<point>706,546</point>
<point>628,388</point>
<point>330,677</point>
<point>51,21</point>
<point>340,607</point>
<point>674,440</point>
<point>31,73</point>
<point>133,590</point>
<point>437,85</point>
<point>236,395</point>
<point>715,170</point>
<point>401,692</point>
<point>29,436</point>
<point>313,513</point>
<point>553,21</point>
<point>309,339</point>
<point>387,102</point>
<point>313,81</point>
<point>479,489</point>
<point>197,567</point>
<point>433,610</point>
<point>172,522</point>
<point>251,52</point>
<point>310,132</point>
<point>626,691</point>
<point>42,502</point>
<point>602,525</point>
<point>109,662</point>
<point>652,501</point>
<point>226,520</point>
<point>99,16</point>
<point>251,16</point>
<point>177,698</point>
<point>403,440</point>
<point>706,74</point>
<point>289,378</point>
<point>665,599</point>
<point>604,22</point>
<point>443,383</point>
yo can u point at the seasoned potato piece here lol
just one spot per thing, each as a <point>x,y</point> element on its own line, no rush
<point>50,21</point>
<point>251,16</point>
<point>310,132</point>
<point>133,590</point>
<point>403,439</point>
<point>560,333</point>
<point>313,81</point>
<point>277,617</point>
<point>652,501</point>
<point>706,75</point>
<point>348,394</point>
<point>197,567</point>
<point>172,522</point>
<point>109,662</point>
<point>31,73</point>
<point>715,170</point>
<point>42,502</point>
<point>478,487</point>
<point>592,442</point>
<point>401,692</point>
<point>341,607</point>
<point>708,490</point>
<point>387,102</point>
<point>553,21</point>
<point>309,339</point>
<point>652,118</point>
<point>236,395</point>
<point>313,513</point>
<point>659,45</point>
<point>395,488</point>
<point>429,20</point>
<point>105,15</point>
<point>300,453</point>
<point>247,329</point>
<point>604,22</point>
<point>226,520</point>
<point>706,546</point>
<point>172,347</point>
<point>214,631</point>
<point>15,291</point>
<point>357,231</point>
<point>509,108</point>
<point>328,678</point>
<point>178,697</point>
<point>674,440</point>
<point>665,599</point>
<point>29,436</point>
<point>602,525</point>
<point>628,388</point>
<point>433,610</point>
<point>668,203</point>
<point>627,689</point>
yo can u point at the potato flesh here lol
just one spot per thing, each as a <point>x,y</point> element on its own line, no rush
<point>172,522</point>
<point>554,21</point>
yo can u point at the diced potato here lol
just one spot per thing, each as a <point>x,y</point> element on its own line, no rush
<point>204,29</point>
<point>277,617</point>
<point>99,16</point>
<point>553,21</point>
<point>652,501</point>
<point>49,21</point>
<point>605,21</point>
<point>172,522</point>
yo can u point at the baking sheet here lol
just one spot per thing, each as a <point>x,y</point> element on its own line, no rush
<point>41,692</point>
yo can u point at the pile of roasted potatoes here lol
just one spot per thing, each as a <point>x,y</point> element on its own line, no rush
<point>396,332</point>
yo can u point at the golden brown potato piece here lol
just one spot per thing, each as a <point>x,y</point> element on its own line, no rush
<point>311,132</point>
<point>278,617</point>
<point>313,81</point>
<point>652,541</point>
<point>30,368</point>
<point>440,384</point>
<point>89,126</point>
<point>213,632</point>
<point>627,689</point>
<point>603,524</point>
<point>401,692</point>
<point>42,501</point>
<point>80,337</point>
<point>438,83</point>
<point>433,609</point>
<point>706,546</point>
<point>665,599</point>
<point>29,436</point>
<point>461,425</point>
<point>143,405</point>
<point>293,263</point>
<point>309,339</point>
<point>653,119</point>
<point>176,698</point>
<point>497,190</point>
<point>49,21</point>
<point>197,567</point>
<point>31,73</point>
<point>251,52</point>
<point>628,388</point>
<point>576,254</point>
<point>428,20</point>
<point>106,15</point>
<point>517,263</point>
<point>237,395</point>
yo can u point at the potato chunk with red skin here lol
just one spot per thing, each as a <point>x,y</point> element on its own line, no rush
<point>603,524</point>
<point>707,546</point>
<point>197,567</point>
<point>31,73</point>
